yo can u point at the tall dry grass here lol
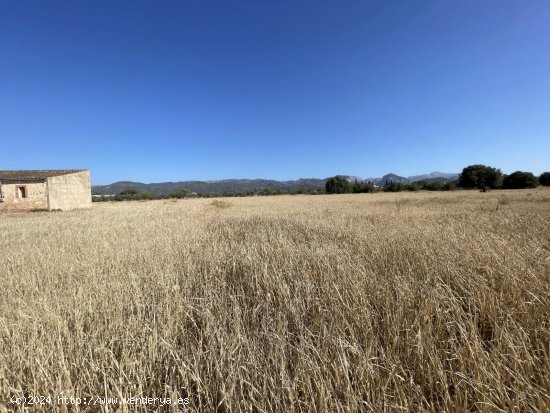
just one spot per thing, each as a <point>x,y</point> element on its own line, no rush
<point>384,302</point>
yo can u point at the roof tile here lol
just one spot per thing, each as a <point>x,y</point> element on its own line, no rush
<point>33,175</point>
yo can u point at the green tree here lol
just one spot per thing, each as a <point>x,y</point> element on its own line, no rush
<point>131,194</point>
<point>449,186</point>
<point>544,179</point>
<point>394,187</point>
<point>128,192</point>
<point>337,185</point>
<point>362,187</point>
<point>519,180</point>
<point>434,186</point>
<point>179,193</point>
<point>480,176</point>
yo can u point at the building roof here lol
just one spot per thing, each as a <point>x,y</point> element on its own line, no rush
<point>33,176</point>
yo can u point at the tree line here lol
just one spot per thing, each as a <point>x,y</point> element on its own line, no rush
<point>477,176</point>
<point>183,193</point>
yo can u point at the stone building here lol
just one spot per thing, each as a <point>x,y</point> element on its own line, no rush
<point>45,190</point>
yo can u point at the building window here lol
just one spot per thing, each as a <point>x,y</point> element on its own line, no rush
<point>21,191</point>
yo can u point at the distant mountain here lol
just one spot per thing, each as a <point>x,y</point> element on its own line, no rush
<point>210,187</point>
<point>243,185</point>
<point>434,176</point>
<point>388,178</point>
<point>352,179</point>
<point>431,177</point>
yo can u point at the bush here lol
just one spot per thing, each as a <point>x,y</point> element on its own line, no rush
<point>179,193</point>
<point>519,180</point>
<point>362,187</point>
<point>220,203</point>
<point>394,187</point>
<point>128,192</point>
<point>449,186</point>
<point>133,195</point>
<point>434,186</point>
<point>413,187</point>
<point>544,179</point>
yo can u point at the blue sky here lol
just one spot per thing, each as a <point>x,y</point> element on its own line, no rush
<point>175,90</point>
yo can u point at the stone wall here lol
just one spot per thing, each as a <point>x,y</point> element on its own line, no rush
<point>71,191</point>
<point>37,197</point>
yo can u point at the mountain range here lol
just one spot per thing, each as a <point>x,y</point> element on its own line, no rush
<point>242,185</point>
<point>431,177</point>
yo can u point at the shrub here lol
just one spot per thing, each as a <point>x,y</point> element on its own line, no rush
<point>362,187</point>
<point>179,193</point>
<point>434,186</point>
<point>133,195</point>
<point>449,186</point>
<point>413,187</point>
<point>394,187</point>
<point>544,179</point>
<point>519,180</point>
<point>220,203</point>
<point>128,192</point>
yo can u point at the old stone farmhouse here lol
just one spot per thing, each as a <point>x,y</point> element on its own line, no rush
<point>45,190</point>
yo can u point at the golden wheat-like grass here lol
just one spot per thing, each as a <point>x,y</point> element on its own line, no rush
<point>377,302</point>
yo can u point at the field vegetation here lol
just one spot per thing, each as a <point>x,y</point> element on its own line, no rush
<point>410,301</point>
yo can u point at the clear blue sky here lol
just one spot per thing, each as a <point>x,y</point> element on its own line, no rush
<point>173,90</point>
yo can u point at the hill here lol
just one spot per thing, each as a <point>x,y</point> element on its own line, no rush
<point>243,185</point>
<point>210,187</point>
<point>431,177</point>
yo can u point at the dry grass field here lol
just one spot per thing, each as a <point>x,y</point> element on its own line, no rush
<point>377,302</point>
